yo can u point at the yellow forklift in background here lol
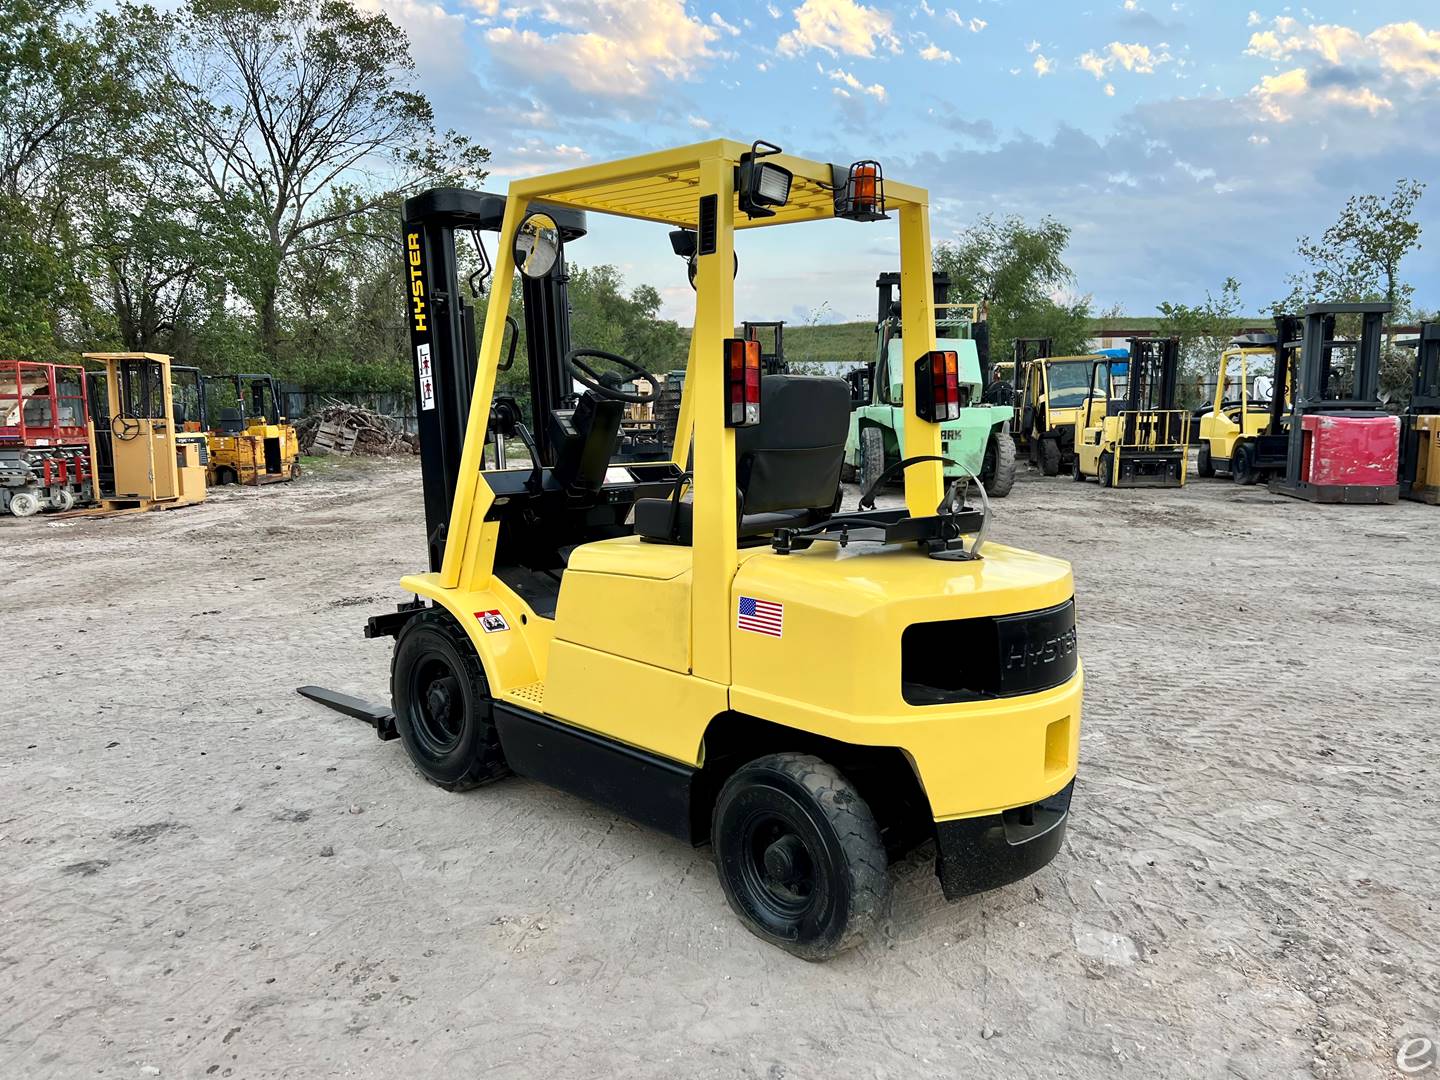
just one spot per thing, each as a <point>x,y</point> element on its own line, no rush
<point>1420,422</point>
<point>1240,407</point>
<point>141,457</point>
<point>706,643</point>
<point>1128,432</point>
<point>251,441</point>
<point>1049,391</point>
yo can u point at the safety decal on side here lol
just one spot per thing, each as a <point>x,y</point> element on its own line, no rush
<point>425,375</point>
<point>761,617</point>
<point>492,622</point>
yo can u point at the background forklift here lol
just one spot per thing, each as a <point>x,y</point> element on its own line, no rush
<point>1420,423</point>
<point>1050,391</point>
<point>771,336</point>
<point>1329,438</point>
<point>143,459</point>
<point>978,440</point>
<point>251,441</point>
<point>1239,409</point>
<point>1136,437</point>
<point>680,640</point>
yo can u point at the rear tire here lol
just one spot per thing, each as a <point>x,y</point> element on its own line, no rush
<point>1050,457</point>
<point>1107,465</point>
<point>872,456</point>
<point>442,705</point>
<point>62,499</point>
<point>799,855</point>
<point>1000,454</point>
<point>1242,465</point>
<point>1204,464</point>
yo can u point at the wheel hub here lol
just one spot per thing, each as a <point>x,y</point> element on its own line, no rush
<point>785,861</point>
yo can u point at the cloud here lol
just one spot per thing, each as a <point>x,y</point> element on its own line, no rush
<point>839,75</point>
<point>1132,57</point>
<point>608,48</point>
<point>839,26</point>
<point>1043,65</point>
<point>935,54</point>
<point>698,122</point>
<point>536,156</point>
<point>973,25</point>
<point>1336,65</point>
<point>718,21</point>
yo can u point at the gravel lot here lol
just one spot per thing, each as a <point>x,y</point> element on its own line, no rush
<point>201,874</point>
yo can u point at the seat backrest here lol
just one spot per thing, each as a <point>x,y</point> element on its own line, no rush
<point>231,422</point>
<point>791,460</point>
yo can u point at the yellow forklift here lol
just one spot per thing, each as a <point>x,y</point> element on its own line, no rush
<point>1420,423</point>
<point>1050,391</point>
<point>1240,407</point>
<point>1128,432</point>
<point>251,441</point>
<point>142,458</point>
<point>707,644</point>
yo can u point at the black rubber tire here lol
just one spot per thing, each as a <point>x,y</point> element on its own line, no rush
<point>1204,464</point>
<point>872,456</point>
<point>848,474</point>
<point>225,475</point>
<point>1242,465</point>
<point>442,706</point>
<point>840,886</point>
<point>1106,466</point>
<point>1075,473</point>
<point>1000,461</point>
<point>1050,457</point>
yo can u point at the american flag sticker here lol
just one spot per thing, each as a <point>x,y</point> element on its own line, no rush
<point>761,616</point>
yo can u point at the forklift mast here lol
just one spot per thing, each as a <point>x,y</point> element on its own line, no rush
<point>1425,387</point>
<point>443,340</point>
<point>888,286</point>
<point>1153,384</point>
<point>771,334</point>
<point>1026,350</point>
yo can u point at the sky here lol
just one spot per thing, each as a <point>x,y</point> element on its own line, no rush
<point>1182,142</point>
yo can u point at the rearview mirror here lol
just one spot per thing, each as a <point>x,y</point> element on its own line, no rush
<point>537,245</point>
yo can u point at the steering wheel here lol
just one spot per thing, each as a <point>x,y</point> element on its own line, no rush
<point>124,427</point>
<point>596,381</point>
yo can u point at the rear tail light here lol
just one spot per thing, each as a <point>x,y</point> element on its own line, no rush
<point>938,396</point>
<point>742,382</point>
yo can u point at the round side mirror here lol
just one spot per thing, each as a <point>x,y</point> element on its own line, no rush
<point>537,245</point>
<point>691,267</point>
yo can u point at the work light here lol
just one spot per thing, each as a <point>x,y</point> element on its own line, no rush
<point>759,184</point>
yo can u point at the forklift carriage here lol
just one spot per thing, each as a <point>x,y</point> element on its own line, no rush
<point>1420,430</point>
<point>705,643</point>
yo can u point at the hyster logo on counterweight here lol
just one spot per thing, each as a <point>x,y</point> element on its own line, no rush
<point>417,282</point>
<point>1034,654</point>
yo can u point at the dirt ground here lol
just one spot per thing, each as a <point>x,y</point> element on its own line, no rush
<point>202,874</point>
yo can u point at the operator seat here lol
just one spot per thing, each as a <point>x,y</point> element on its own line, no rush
<point>787,467</point>
<point>231,422</point>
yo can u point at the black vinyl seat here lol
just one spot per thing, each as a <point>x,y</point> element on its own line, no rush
<point>232,422</point>
<point>787,467</point>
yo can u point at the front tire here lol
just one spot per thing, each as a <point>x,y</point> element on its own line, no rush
<point>1204,463</point>
<point>872,456</point>
<point>1075,472</point>
<point>1000,464</point>
<point>442,705</point>
<point>1242,465</point>
<point>1050,457</point>
<point>799,855</point>
<point>1106,475</point>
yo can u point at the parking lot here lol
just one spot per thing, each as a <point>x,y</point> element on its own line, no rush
<point>202,874</point>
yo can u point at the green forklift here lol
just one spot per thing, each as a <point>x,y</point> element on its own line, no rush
<point>975,443</point>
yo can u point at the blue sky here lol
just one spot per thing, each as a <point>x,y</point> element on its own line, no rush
<point>1181,141</point>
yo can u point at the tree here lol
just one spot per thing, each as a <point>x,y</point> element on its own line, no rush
<point>1204,330</point>
<point>1358,258</point>
<point>1018,272</point>
<point>281,104</point>
<point>67,102</point>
